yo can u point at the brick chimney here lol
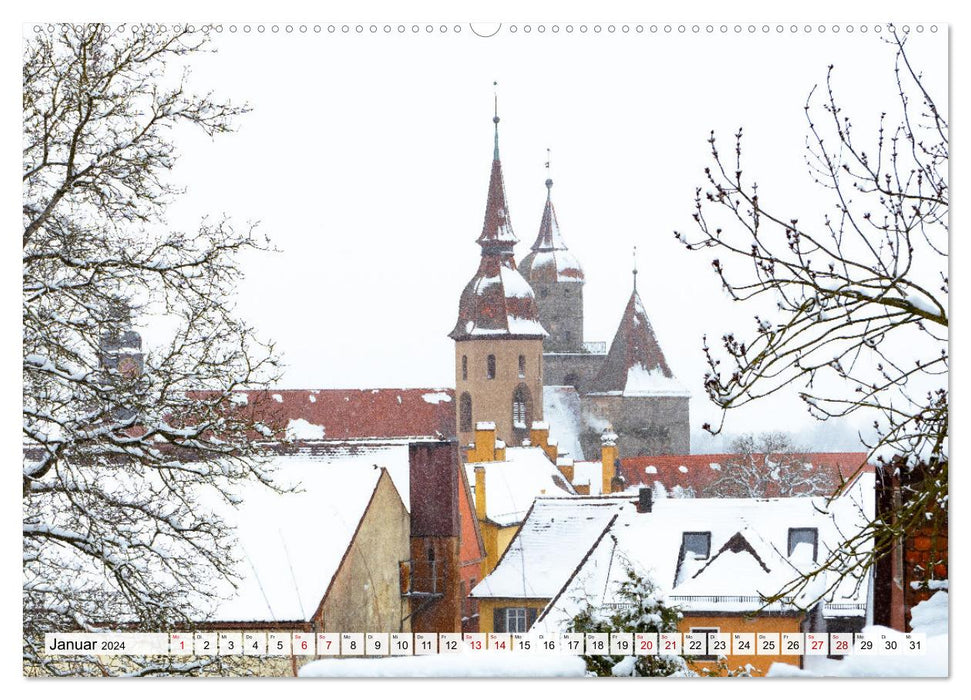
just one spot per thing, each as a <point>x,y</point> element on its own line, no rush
<point>565,465</point>
<point>608,458</point>
<point>484,448</point>
<point>539,435</point>
<point>480,493</point>
<point>645,499</point>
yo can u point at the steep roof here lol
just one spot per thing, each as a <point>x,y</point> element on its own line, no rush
<point>511,485</point>
<point>534,565</point>
<point>347,414</point>
<point>698,472</point>
<point>290,545</point>
<point>635,364</point>
<point>497,302</point>
<point>549,259</point>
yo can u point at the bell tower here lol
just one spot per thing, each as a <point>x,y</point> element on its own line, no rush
<point>498,335</point>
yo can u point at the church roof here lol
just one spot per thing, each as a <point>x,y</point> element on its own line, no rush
<point>549,259</point>
<point>497,302</point>
<point>635,364</point>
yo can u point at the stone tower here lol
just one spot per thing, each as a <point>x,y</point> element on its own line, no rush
<point>498,335</point>
<point>636,392</point>
<point>557,279</point>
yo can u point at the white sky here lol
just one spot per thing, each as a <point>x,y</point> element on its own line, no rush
<point>366,160</point>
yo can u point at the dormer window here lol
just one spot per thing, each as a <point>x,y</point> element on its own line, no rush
<point>696,544</point>
<point>491,367</point>
<point>803,543</point>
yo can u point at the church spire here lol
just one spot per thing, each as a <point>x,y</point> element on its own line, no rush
<point>497,234</point>
<point>549,259</point>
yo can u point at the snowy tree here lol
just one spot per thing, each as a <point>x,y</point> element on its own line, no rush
<point>860,326</point>
<point>769,465</point>
<point>125,451</point>
<point>640,607</point>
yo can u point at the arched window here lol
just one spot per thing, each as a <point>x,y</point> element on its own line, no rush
<point>491,367</point>
<point>521,410</point>
<point>465,367</point>
<point>465,412</point>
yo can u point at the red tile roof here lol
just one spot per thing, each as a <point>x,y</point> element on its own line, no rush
<point>358,413</point>
<point>696,472</point>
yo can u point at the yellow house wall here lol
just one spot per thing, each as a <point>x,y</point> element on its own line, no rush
<point>737,623</point>
<point>488,606</point>
<point>496,540</point>
<point>366,593</point>
<point>492,398</point>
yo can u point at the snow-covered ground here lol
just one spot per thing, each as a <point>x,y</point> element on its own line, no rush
<point>464,665</point>
<point>928,617</point>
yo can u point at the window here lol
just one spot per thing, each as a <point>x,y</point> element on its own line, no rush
<point>491,367</point>
<point>465,367</point>
<point>696,543</point>
<point>709,654</point>
<point>465,412</point>
<point>513,619</point>
<point>568,336</point>
<point>803,542</point>
<point>520,408</point>
<point>522,366</point>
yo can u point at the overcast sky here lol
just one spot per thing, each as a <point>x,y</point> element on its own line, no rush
<point>366,160</point>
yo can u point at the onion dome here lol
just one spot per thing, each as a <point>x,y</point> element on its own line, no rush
<point>550,260</point>
<point>635,364</point>
<point>497,302</point>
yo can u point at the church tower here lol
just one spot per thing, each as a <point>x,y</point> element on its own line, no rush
<point>498,335</point>
<point>556,277</point>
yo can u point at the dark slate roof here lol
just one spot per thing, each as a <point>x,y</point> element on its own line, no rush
<point>550,260</point>
<point>635,364</point>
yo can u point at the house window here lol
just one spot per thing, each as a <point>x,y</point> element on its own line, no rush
<point>696,543</point>
<point>465,412</point>
<point>568,336</point>
<point>522,366</point>
<point>802,541</point>
<point>465,367</point>
<point>513,619</point>
<point>491,367</point>
<point>708,654</point>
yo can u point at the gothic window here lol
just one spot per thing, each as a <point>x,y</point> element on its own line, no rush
<point>520,408</point>
<point>522,366</point>
<point>465,413</point>
<point>465,367</point>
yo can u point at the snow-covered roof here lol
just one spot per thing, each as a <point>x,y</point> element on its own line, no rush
<point>561,408</point>
<point>635,364</point>
<point>290,545</point>
<point>545,552</point>
<point>364,454</point>
<point>748,555</point>
<point>512,484</point>
<point>550,260</point>
<point>589,473</point>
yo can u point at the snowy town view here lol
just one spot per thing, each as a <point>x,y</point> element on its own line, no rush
<point>302,397</point>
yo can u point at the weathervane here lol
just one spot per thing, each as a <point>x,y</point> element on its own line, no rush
<point>495,118</point>
<point>549,179</point>
<point>635,268</point>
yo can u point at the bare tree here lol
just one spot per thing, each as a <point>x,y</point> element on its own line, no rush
<point>125,451</point>
<point>769,465</point>
<point>861,320</point>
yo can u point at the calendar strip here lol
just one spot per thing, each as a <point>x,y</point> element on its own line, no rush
<point>700,644</point>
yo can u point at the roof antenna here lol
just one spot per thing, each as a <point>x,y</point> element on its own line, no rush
<point>635,268</point>
<point>495,118</point>
<point>549,180</point>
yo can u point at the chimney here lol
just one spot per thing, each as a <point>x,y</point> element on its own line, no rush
<point>485,443</point>
<point>645,499</point>
<point>480,493</point>
<point>539,435</point>
<point>608,459</point>
<point>565,465</point>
